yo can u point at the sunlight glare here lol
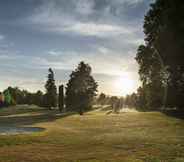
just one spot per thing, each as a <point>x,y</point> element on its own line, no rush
<point>124,85</point>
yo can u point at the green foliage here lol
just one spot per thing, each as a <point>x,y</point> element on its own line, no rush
<point>51,91</point>
<point>164,32</point>
<point>81,89</point>
<point>151,75</point>
<point>131,100</point>
<point>15,96</point>
<point>7,98</point>
<point>141,99</point>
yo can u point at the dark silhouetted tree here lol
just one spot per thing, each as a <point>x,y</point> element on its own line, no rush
<point>151,74</point>
<point>164,31</point>
<point>51,91</point>
<point>101,99</point>
<point>38,98</point>
<point>81,89</point>
<point>61,98</point>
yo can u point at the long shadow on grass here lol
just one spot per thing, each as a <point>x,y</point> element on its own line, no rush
<point>20,109</point>
<point>175,113</point>
<point>19,121</point>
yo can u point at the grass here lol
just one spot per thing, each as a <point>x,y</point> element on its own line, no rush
<point>94,137</point>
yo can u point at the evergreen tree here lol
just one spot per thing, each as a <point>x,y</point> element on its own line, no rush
<point>81,89</point>
<point>51,90</point>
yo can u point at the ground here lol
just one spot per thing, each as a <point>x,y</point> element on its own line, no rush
<point>94,137</point>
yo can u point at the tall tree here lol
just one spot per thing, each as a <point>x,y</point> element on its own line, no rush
<point>151,74</point>
<point>164,32</point>
<point>81,89</point>
<point>51,90</point>
<point>141,99</point>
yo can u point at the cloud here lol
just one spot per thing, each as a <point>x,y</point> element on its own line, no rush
<point>29,83</point>
<point>100,30</point>
<point>5,57</point>
<point>53,17</point>
<point>53,53</point>
<point>8,54</point>
<point>103,61</point>
<point>85,7</point>
<point>2,37</point>
<point>130,2</point>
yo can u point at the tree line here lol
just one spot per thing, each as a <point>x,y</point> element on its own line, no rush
<point>79,96</point>
<point>118,103</point>
<point>161,59</point>
<point>14,96</point>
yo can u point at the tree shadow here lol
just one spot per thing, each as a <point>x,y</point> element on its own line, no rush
<point>175,113</point>
<point>24,120</point>
<point>20,109</point>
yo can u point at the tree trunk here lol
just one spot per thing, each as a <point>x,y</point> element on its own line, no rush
<point>61,98</point>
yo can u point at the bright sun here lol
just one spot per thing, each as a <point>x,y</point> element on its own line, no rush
<point>124,85</point>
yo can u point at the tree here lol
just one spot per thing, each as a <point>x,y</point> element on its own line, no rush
<point>151,74</point>
<point>101,99</point>
<point>15,93</point>
<point>61,98</point>
<point>81,89</point>
<point>115,103</point>
<point>38,98</point>
<point>51,90</point>
<point>141,99</point>
<point>1,99</point>
<point>131,100</point>
<point>7,98</point>
<point>163,27</point>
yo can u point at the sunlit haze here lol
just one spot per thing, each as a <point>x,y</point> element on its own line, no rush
<point>125,85</point>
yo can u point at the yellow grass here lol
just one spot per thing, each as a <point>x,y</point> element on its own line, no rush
<point>94,137</point>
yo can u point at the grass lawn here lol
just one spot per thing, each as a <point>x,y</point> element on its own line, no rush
<point>94,137</point>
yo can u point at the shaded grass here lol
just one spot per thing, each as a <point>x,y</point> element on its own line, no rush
<point>94,137</point>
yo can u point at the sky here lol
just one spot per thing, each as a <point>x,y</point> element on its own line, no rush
<point>38,34</point>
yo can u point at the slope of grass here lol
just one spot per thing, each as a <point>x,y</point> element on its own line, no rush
<point>94,137</point>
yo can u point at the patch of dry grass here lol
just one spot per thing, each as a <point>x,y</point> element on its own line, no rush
<point>94,137</point>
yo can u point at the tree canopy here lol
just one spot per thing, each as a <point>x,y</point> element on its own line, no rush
<point>51,91</point>
<point>161,60</point>
<point>81,89</point>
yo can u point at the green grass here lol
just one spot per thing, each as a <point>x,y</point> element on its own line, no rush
<point>94,137</point>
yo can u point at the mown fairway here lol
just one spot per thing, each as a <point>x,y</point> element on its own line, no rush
<point>94,137</point>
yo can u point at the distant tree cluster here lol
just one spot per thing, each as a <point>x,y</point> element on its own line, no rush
<point>161,60</point>
<point>13,96</point>
<point>118,103</point>
<point>16,96</point>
